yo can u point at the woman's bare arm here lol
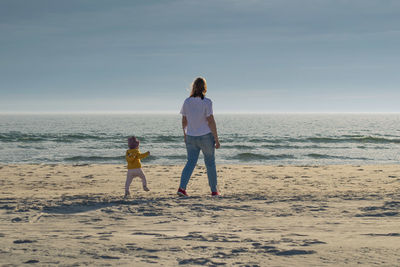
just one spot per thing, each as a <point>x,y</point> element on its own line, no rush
<point>213,128</point>
<point>184,125</point>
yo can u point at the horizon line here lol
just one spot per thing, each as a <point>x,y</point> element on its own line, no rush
<point>167,112</point>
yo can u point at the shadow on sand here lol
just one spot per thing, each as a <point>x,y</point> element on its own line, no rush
<point>80,204</point>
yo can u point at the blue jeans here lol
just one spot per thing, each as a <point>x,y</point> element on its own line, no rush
<point>194,144</point>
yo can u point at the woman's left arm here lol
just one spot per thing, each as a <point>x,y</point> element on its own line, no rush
<point>213,128</point>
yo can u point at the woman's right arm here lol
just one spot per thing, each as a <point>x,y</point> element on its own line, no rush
<point>213,128</point>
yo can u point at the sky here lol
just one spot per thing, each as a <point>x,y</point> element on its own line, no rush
<point>256,55</point>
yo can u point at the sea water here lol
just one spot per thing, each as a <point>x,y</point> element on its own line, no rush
<point>271,139</point>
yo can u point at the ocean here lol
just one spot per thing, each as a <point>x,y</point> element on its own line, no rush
<point>271,139</point>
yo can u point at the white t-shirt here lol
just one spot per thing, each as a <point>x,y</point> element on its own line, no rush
<point>196,110</point>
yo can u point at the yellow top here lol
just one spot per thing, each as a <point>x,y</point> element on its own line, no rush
<point>133,157</point>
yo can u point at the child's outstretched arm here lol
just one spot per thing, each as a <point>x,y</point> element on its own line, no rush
<point>143,155</point>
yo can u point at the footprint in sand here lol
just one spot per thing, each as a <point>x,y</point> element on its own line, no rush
<point>198,261</point>
<point>24,241</point>
<point>389,234</point>
<point>31,261</point>
<point>16,219</point>
<point>106,257</point>
<point>293,252</point>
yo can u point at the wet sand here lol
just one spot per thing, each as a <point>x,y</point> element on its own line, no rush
<point>73,215</point>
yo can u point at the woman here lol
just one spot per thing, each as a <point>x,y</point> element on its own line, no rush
<point>200,132</point>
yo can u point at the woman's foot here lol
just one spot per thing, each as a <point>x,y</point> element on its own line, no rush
<point>127,194</point>
<point>215,194</point>
<point>145,188</point>
<point>182,192</point>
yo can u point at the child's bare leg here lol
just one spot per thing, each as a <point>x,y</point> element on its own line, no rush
<point>144,181</point>
<point>129,178</point>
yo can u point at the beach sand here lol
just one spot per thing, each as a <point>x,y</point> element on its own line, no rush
<point>73,215</point>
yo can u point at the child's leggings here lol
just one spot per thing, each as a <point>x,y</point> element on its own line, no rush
<point>134,173</point>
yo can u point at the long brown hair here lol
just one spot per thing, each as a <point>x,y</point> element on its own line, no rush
<point>199,87</point>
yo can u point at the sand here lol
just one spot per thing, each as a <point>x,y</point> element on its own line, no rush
<point>268,216</point>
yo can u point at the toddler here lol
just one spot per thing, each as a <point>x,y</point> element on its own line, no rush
<point>133,157</point>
